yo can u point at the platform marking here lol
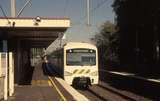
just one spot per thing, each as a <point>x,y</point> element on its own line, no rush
<point>49,83</point>
<point>59,92</point>
<point>154,80</point>
<point>40,82</point>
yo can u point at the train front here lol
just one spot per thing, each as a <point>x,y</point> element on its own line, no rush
<point>81,65</point>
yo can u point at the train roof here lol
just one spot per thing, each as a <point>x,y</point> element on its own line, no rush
<point>79,45</point>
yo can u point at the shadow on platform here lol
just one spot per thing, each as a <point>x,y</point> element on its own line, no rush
<point>27,75</point>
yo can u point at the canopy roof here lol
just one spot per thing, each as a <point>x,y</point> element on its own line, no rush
<point>39,31</point>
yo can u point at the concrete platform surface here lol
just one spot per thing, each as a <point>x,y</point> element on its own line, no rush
<point>41,89</point>
<point>34,93</point>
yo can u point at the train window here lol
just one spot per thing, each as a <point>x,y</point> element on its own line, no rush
<point>81,57</point>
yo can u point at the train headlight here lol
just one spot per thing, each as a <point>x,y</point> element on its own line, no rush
<point>95,73</point>
<point>66,73</point>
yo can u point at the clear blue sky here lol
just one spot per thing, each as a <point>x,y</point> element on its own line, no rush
<point>73,9</point>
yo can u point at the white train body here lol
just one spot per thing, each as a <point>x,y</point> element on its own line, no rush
<point>79,63</point>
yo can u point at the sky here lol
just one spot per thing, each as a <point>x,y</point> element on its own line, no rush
<point>100,11</point>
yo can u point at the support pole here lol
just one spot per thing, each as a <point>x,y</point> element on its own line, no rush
<point>88,12</point>
<point>13,8</point>
<point>0,65</point>
<point>11,74</point>
<point>5,69</point>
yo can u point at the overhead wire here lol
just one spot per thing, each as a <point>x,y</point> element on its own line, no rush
<point>4,14</point>
<point>21,10</point>
<point>99,5</point>
<point>91,11</point>
<point>66,6</point>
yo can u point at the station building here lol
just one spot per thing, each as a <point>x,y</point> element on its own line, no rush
<point>20,41</point>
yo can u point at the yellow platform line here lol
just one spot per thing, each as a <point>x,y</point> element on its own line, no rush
<point>59,92</point>
<point>49,83</point>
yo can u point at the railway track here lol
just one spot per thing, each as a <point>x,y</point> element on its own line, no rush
<point>104,92</point>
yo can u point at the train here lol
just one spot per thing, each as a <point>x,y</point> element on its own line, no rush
<point>77,63</point>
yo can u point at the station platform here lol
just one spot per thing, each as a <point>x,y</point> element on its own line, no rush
<point>41,89</point>
<point>153,80</point>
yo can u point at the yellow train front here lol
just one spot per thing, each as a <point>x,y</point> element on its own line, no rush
<point>78,64</point>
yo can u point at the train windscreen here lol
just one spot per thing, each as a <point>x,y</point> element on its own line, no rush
<point>81,57</point>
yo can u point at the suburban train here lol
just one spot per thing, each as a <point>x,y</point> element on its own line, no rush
<point>77,63</point>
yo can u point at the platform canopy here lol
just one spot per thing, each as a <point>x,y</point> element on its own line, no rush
<point>39,31</point>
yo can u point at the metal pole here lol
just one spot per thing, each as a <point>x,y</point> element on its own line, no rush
<point>13,8</point>
<point>88,12</point>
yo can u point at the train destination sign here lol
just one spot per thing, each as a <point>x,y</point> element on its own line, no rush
<point>80,51</point>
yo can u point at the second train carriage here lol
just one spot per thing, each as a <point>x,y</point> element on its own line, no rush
<point>77,63</point>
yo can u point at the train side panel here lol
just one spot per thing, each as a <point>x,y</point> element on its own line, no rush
<point>57,61</point>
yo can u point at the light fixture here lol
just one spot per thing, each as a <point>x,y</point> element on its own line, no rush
<point>38,19</point>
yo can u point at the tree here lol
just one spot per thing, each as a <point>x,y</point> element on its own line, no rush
<point>107,41</point>
<point>139,28</point>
